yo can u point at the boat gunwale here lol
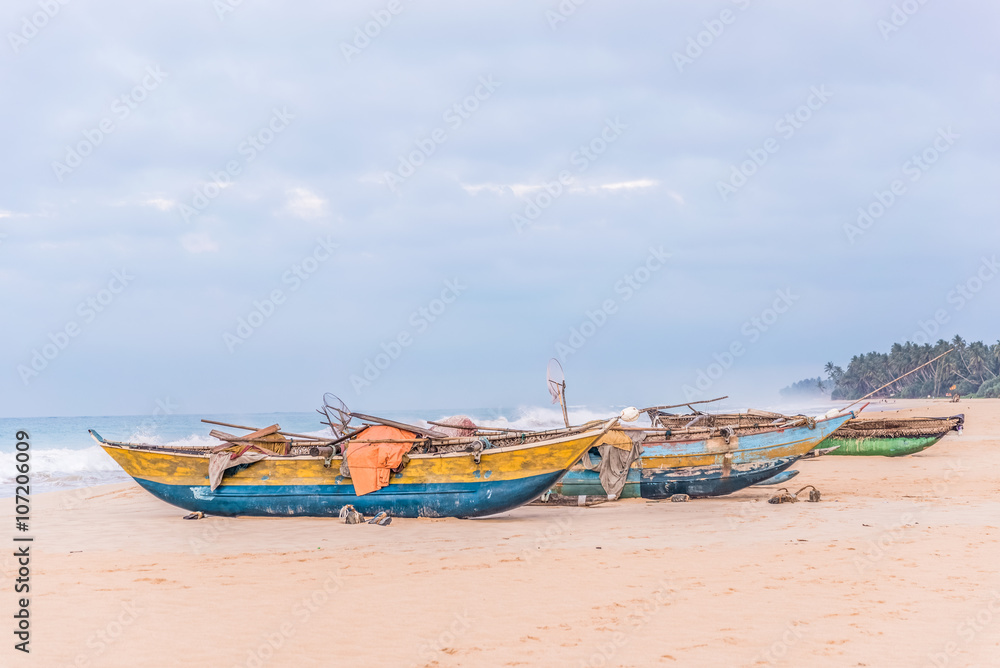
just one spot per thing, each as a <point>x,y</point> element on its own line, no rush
<point>783,444</point>
<point>203,454</point>
<point>739,437</point>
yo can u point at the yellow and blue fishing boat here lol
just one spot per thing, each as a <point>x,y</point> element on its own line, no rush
<point>490,478</point>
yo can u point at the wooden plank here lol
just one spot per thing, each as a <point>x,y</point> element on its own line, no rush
<point>401,425</point>
<point>283,433</point>
<point>266,431</point>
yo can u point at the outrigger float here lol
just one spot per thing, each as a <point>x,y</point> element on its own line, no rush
<point>893,436</point>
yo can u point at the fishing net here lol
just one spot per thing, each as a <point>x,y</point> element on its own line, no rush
<point>338,416</point>
<point>878,427</point>
<point>556,381</point>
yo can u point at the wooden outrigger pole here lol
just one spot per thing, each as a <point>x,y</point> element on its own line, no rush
<point>562,400</point>
<point>255,429</point>
<point>688,404</point>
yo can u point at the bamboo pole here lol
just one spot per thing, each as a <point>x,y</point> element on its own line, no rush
<point>688,404</point>
<point>562,400</point>
<point>429,433</point>
<point>255,429</point>
<point>474,426</point>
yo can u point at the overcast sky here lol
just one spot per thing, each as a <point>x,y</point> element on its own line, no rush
<point>675,172</point>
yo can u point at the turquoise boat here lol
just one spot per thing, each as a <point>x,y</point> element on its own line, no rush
<point>726,460</point>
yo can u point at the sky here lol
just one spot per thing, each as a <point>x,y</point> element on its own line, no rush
<point>236,206</point>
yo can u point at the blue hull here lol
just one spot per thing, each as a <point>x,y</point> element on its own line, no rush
<point>409,500</point>
<point>778,479</point>
<point>706,481</point>
<point>698,481</point>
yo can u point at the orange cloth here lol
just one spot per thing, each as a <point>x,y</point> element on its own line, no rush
<point>371,463</point>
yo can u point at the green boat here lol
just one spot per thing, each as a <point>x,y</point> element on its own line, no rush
<point>891,436</point>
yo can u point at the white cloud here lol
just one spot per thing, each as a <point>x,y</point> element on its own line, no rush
<point>522,189</point>
<point>160,203</point>
<point>305,204</point>
<point>478,188</point>
<point>199,242</point>
<point>630,185</point>
<point>518,189</point>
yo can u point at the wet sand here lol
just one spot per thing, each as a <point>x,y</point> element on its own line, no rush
<point>898,565</point>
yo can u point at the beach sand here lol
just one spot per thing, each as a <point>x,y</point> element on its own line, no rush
<point>898,565</point>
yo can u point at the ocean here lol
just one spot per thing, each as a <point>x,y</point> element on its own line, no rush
<point>64,456</point>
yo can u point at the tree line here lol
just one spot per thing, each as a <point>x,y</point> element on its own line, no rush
<point>972,369</point>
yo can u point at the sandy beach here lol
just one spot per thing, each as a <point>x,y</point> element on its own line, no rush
<point>898,565</point>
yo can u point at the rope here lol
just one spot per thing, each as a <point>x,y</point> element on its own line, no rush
<point>813,493</point>
<point>782,497</point>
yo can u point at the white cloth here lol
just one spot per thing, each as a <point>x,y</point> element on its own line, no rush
<point>218,462</point>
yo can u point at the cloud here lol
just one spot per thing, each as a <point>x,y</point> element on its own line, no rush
<point>160,203</point>
<point>517,189</point>
<point>630,185</point>
<point>305,204</point>
<point>199,242</point>
<point>353,121</point>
